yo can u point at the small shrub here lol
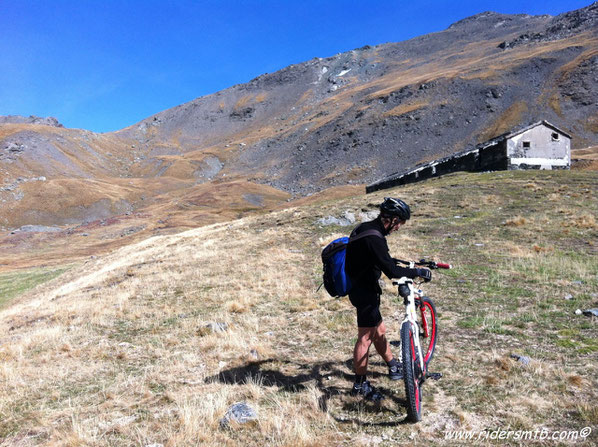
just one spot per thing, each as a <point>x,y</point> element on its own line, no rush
<point>516,221</point>
<point>587,222</point>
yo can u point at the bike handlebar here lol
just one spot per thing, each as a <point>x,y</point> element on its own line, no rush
<point>442,265</point>
<point>424,263</point>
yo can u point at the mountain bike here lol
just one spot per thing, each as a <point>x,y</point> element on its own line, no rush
<point>418,337</point>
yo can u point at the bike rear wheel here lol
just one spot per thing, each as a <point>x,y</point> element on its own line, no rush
<point>428,330</point>
<point>411,373</point>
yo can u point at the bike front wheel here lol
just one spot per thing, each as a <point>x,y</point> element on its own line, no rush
<point>411,372</point>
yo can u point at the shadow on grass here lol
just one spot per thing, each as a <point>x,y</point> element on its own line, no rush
<point>322,374</point>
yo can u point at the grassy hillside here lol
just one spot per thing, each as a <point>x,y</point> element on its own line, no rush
<point>16,283</point>
<point>119,350</point>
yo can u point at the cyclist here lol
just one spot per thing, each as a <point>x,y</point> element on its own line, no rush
<point>366,259</point>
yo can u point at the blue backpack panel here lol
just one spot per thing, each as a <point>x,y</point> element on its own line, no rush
<point>336,281</point>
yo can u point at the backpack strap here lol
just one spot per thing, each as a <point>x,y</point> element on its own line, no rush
<point>361,235</point>
<point>365,234</point>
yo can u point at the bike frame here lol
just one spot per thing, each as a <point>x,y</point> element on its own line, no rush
<point>411,315</point>
<point>413,355</point>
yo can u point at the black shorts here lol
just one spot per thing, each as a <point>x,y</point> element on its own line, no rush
<point>367,303</point>
<point>369,315</point>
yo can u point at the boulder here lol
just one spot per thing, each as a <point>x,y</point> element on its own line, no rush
<point>239,413</point>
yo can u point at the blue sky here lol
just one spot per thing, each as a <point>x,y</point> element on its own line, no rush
<point>104,65</point>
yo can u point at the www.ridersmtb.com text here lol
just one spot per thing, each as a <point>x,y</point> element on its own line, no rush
<point>518,435</point>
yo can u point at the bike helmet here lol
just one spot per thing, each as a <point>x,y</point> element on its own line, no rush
<point>396,208</point>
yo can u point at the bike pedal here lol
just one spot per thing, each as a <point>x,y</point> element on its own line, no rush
<point>434,376</point>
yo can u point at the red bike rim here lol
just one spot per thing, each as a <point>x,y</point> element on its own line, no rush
<point>432,334</point>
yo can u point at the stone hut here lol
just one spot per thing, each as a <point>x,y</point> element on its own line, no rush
<point>538,146</point>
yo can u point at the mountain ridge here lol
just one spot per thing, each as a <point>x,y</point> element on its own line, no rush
<point>354,62</point>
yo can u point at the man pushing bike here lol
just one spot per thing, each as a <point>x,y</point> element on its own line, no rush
<point>366,258</point>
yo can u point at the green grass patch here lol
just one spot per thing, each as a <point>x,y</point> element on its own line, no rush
<point>495,326</point>
<point>523,320</point>
<point>575,341</point>
<point>14,284</point>
<point>589,413</point>
<point>472,322</point>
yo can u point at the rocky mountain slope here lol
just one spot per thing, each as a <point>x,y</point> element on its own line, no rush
<point>358,115</point>
<point>347,119</point>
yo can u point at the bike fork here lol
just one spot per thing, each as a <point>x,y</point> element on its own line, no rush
<point>417,345</point>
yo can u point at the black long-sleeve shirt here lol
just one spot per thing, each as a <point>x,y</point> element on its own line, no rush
<point>368,257</point>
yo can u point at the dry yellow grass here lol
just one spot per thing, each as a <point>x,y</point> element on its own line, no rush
<point>517,221</point>
<point>587,165</point>
<point>406,108</point>
<point>162,289</point>
<point>120,350</point>
<point>586,159</point>
<point>242,102</point>
<point>588,153</point>
<point>587,221</point>
<point>508,120</point>
<point>592,123</point>
<point>589,53</point>
<point>555,104</point>
<point>182,206</point>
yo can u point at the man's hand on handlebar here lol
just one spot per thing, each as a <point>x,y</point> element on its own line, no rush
<point>424,274</point>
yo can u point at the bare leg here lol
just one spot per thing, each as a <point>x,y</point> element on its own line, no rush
<point>365,337</point>
<point>381,343</point>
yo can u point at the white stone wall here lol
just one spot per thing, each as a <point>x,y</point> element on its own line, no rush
<point>544,151</point>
